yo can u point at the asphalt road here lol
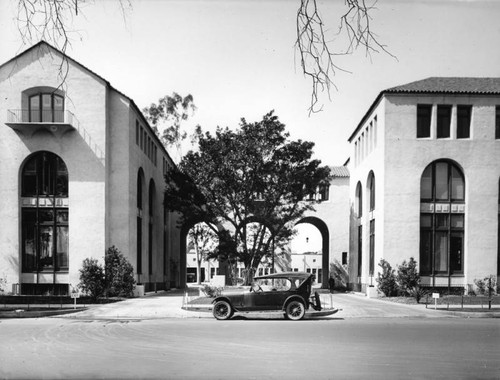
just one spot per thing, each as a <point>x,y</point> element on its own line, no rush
<point>333,348</point>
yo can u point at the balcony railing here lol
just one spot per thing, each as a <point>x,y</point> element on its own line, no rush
<point>55,121</point>
<point>40,116</point>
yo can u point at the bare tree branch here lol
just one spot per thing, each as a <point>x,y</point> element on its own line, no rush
<point>317,59</point>
<point>52,21</point>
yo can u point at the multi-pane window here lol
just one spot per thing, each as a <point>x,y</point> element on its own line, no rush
<point>442,193</point>
<point>45,214</point>
<point>443,121</point>
<point>424,112</point>
<point>497,122</point>
<point>46,107</point>
<point>464,113</point>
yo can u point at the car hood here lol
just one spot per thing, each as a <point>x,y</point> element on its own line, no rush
<point>234,291</point>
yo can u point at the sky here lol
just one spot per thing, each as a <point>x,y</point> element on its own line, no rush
<point>237,58</point>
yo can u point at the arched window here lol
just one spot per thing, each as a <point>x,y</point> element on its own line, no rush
<point>442,197</point>
<point>44,213</point>
<point>371,190</point>
<point>150,225</point>
<point>140,185</point>
<point>359,200</point>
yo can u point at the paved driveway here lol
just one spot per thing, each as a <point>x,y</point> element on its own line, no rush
<point>169,305</point>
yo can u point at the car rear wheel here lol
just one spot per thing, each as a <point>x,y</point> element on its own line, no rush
<point>295,310</point>
<point>222,310</point>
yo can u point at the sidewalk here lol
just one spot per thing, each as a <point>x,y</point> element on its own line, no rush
<point>169,304</point>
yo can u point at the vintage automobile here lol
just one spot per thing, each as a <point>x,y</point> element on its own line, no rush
<point>289,292</point>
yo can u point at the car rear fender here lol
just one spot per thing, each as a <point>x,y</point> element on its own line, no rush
<point>223,298</point>
<point>295,297</point>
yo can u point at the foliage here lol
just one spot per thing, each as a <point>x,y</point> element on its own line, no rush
<point>119,274</point>
<point>417,292</point>
<point>487,285</point>
<point>252,180</point>
<point>387,279</point>
<point>340,275</point>
<point>3,282</point>
<point>169,113</point>
<point>407,277</point>
<point>92,279</point>
<point>212,291</point>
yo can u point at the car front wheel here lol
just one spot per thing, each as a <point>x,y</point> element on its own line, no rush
<point>222,310</point>
<point>295,310</point>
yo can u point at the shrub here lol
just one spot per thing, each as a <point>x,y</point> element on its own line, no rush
<point>417,292</point>
<point>387,280</point>
<point>211,291</point>
<point>480,285</point>
<point>407,277</point>
<point>119,274</point>
<point>92,279</point>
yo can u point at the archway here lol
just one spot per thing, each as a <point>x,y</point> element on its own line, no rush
<point>325,247</point>
<point>182,270</point>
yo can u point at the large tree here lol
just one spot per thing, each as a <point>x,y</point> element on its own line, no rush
<point>254,181</point>
<point>166,118</point>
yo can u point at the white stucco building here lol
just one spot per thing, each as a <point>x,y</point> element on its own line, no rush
<point>425,182</point>
<point>81,171</point>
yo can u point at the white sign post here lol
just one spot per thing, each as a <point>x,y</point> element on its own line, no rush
<point>435,296</point>
<point>75,295</point>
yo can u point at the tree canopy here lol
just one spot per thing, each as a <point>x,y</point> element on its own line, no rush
<point>254,181</point>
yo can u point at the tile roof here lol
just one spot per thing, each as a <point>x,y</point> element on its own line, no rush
<point>453,85</point>
<point>339,171</point>
<point>438,85</point>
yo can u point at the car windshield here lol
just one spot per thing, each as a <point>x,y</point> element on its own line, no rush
<point>274,284</point>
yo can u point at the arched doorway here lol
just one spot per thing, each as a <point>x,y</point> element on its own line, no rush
<point>325,247</point>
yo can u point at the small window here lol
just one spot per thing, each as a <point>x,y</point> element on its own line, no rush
<point>497,122</point>
<point>324,191</point>
<point>463,121</point>
<point>424,112</point>
<point>443,121</point>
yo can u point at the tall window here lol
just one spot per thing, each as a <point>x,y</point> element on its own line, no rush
<point>443,121</point>
<point>150,226</point>
<point>424,112</point>
<point>372,247</point>
<point>463,121</point>
<point>359,200</point>
<point>46,107</point>
<point>140,181</point>
<point>360,249</point>
<point>497,122</point>
<point>371,189</point>
<point>44,214</point>
<point>498,233</point>
<point>442,193</point>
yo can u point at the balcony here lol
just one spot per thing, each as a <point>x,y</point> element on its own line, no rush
<point>28,122</point>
